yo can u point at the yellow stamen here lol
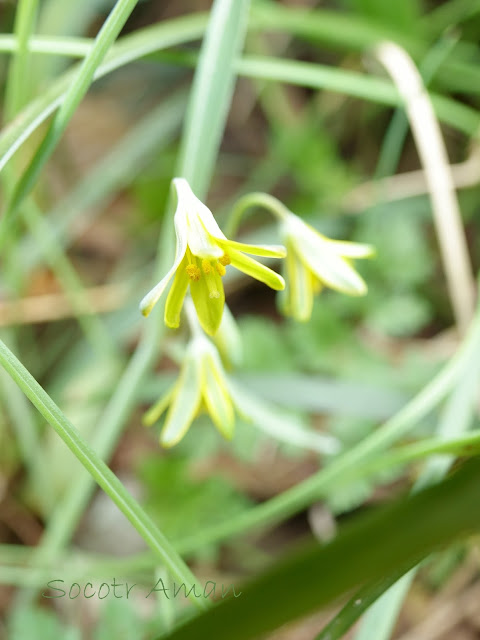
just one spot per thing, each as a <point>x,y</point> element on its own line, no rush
<point>224,260</point>
<point>206,266</point>
<point>193,272</point>
<point>220,269</point>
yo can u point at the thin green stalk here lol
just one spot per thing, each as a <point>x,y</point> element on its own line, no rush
<point>354,608</point>
<point>212,91</point>
<point>26,430</point>
<point>250,200</point>
<point>16,92</point>
<point>105,38</point>
<point>316,76</point>
<point>97,468</point>
<point>60,17</point>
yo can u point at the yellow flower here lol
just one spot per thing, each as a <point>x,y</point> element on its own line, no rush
<point>202,253</point>
<point>314,261</point>
<point>202,385</point>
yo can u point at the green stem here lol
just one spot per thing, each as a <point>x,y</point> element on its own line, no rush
<point>211,92</point>
<point>97,469</point>
<point>16,92</point>
<point>18,408</point>
<point>256,199</point>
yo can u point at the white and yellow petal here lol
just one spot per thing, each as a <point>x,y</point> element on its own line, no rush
<point>321,256</point>
<point>176,296</point>
<point>256,270</point>
<point>217,396</point>
<point>299,293</point>
<point>155,412</point>
<point>208,297</point>
<point>201,225</point>
<point>201,243</point>
<point>265,250</point>
<point>153,296</point>
<point>352,249</point>
<point>185,404</point>
<point>333,270</point>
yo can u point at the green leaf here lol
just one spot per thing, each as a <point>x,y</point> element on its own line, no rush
<point>118,620</point>
<point>376,546</point>
<point>400,315</point>
<point>36,622</point>
<point>403,15</point>
<point>205,501</point>
<point>212,92</point>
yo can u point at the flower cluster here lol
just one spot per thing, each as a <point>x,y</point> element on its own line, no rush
<point>202,255</point>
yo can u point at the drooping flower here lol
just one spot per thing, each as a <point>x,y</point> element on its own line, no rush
<point>202,384</point>
<point>314,261</point>
<point>202,253</point>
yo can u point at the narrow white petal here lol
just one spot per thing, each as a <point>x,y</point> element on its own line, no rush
<point>216,395</point>
<point>200,241</point>
<point>209,222</point>
<point>202,226</point>
<point>152,297</point>
<point>333,270</point>
<point>319,254</point>
<point>352,249</point>
<point>185,405</point>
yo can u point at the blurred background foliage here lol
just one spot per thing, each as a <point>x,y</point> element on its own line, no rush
<point>358,360</point>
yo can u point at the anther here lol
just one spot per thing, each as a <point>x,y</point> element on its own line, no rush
<point>220,269</point>
<point>206,266</point>
<point>193,272</point>
<point>224,260</point>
